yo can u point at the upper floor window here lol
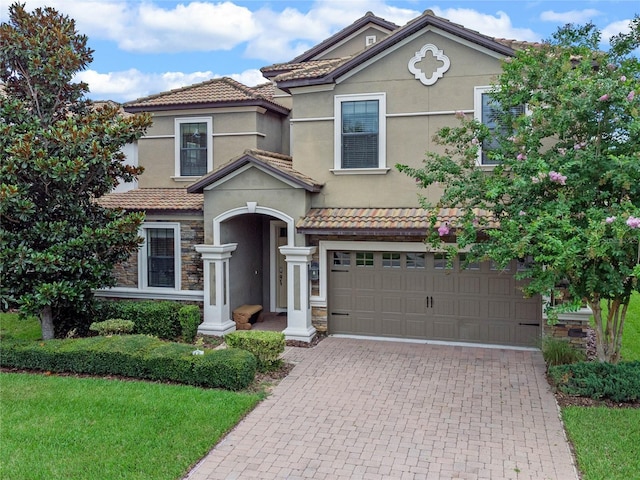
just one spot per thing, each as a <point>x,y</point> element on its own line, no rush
<point>360,133</point>
<point>194,146</point>
<point>488,112</point>
<point>159,257</point>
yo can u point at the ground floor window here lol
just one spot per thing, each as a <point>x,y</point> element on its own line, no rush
<point>160,255</point>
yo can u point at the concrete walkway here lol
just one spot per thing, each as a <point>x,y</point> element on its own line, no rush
<point>360,409</point>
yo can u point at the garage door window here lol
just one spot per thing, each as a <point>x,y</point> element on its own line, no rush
<point>416,260</point>
<point>391,260</point>
<point>468,266</point>
<point>364,259</point>
<point>341,259</point>
<point>440,261</point>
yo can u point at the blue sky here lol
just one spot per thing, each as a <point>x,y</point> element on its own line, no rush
<point>146,47</point>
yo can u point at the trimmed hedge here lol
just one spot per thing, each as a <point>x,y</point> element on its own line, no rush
<point>189,317</point>
<point>618,382</point>
<point>266,346</point>
<point>162,319</point>
<point>136,356</point>
<point>113,326</point>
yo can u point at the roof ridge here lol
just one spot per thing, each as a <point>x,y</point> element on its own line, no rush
<point>267,153</point>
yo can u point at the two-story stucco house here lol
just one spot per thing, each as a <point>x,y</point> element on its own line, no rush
<point>286,195</point>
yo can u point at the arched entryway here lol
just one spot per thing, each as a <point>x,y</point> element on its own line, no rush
<point>241,266</point>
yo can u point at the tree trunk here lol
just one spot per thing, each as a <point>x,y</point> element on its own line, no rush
<point>46,323</point>
<point>609,334</point>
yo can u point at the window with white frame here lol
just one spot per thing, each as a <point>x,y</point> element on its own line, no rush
<point>159,257</point>
<point>360,132</point>
<point>194,146</point>
<point>487,111</point>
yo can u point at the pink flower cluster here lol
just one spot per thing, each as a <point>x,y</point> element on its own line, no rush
<point>604,97</point>
<point>610,219</point>
<point>557,177</point>
<point>443,230</point>
<point>580,145</point>
<point>633,222</point>
<point>631,95</point>
<point>521,157</point>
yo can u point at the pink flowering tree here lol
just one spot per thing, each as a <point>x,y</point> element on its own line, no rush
<point>565,189</point>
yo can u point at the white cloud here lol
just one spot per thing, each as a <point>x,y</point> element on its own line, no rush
<point>147,27</point>
<point>130,84</point>
<point>622,26</point>
<point>572,16</point>
<point>498,26</point>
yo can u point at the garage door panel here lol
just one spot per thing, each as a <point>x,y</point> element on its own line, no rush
<point>471,331</point>
<point>469,307</point>
<point>445,306</point>
<point>469,286</point>
<point>527,311</point>
<point>392,304</point>
<point>366,325</point>
<point>499,309</point>
<point>418,282</point>
<point>392,281</point>
<point>365,303</point>
<point>445,284</point>
<point>364,283</point>
<point>500,286</point>
<point>445,330</point>
<point>342,302</point>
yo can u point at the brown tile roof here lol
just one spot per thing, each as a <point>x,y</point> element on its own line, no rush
<point>374,221</point>
<point>275,162</point>
<point>310,69</point>
<point>154,200</point>
<point>219,91</point>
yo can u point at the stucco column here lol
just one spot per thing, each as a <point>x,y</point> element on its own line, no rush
<point>299,325</point>
<point>217,314</point>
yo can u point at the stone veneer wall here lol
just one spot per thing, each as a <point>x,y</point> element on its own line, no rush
<point>572,327</point>
<point>319,314</point>
<point>191,233</point>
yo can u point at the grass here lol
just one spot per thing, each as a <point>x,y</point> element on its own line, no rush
<point>67,427</point>
<point>12,326</point>
<point>605,440</point>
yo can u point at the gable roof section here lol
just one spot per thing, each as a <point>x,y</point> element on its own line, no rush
<point>368,19</point>
<point>277,164</point>
<point>296,75</point>
<point>156,200</point>
<point>218,92</point>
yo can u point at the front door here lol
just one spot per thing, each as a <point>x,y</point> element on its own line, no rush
<point>280,235</point>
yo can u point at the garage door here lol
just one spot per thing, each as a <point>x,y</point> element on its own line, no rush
<point>418,295</point>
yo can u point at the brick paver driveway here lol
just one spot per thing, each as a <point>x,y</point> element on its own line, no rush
<point>388,410</point>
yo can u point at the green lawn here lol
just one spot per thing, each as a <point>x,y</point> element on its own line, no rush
<point>11,326</point>
<point>606,441</point>
<point>66,427</point>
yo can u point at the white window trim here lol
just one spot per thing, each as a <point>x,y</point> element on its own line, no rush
<point>382,133</point>
<point>477,115</point>
<point>180,121</point>
<point>143,279</point>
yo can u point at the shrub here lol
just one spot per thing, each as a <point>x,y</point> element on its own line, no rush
<point>150,317</point>
<point>113,326</point>
<point>618,382</point>
<point>556,351</point>
<point>136,356</point>
<point>266,346</point>
<point>189,317</point>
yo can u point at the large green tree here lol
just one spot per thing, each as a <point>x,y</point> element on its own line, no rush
<point>59,153</point>
<point>565,190</point>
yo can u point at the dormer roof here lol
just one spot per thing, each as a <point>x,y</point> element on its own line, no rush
<point>276,164</point>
